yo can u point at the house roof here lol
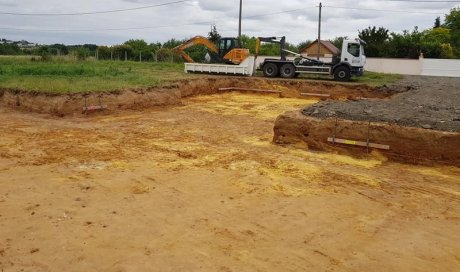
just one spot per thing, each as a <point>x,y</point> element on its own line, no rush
<point>330,46</point>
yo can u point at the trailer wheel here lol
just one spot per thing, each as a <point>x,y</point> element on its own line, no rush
<point>287,70</point>
<point>270,70</point>
<point>342,73</point>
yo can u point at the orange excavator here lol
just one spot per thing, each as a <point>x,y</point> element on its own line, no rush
<point>227,50</point>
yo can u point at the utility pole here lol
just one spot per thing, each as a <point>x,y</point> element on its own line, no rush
<point>239,25</point>
<point>319,30</point>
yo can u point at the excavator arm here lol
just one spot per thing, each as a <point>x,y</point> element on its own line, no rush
<point>198,40</point>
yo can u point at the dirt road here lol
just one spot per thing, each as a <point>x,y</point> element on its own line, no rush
<point>201,188</point>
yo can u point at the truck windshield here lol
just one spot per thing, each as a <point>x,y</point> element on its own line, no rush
<point>354,49</point>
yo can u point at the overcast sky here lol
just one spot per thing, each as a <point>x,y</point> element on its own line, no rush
<point>187,19</point>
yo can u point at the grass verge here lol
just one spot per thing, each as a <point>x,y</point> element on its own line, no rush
<point>60,76</point>
<point>66,76</point>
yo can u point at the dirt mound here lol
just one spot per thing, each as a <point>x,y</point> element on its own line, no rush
<point>424,102</point>
<point>408,144</point>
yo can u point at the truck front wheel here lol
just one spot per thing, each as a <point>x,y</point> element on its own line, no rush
<point>270,70</point>
<point>342,73</point>
<point>287,70</point>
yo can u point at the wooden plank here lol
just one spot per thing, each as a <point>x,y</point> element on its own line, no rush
<point>249,90</point>
<point>315,94</point>
<point>358,143</point>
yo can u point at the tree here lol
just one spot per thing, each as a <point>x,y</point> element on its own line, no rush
<point>9,49</point>
<point>447,51</point>
<point>104,52</point>
<point>120,51</point>
<point>59,49</point>
<point>437,22</point>
<point>432,41</point>
<point>303,45</point>
<point>82,52</point>
<point>141,48</point>
<point>439,35</point>
<point>452,22</point>
<point>338,41</point>
<point>376,40</point>
<point>137,45</point>
<point>167,55</point>
<point>171,43</point>
<point>213,35</point>
<point>405,45</point>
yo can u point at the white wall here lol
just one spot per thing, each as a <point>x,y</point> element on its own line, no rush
<point>441,67</point>
<point>394,66</point>
<point>422,66</point>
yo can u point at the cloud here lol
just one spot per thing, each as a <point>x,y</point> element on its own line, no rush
<point>183,20</point>
<point>212,5</point>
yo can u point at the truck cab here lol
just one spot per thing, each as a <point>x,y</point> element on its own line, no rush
<point>352,56</point>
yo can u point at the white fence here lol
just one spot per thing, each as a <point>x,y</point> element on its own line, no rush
<point>422,66</point>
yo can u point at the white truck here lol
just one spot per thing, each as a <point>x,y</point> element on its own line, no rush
<point>350,62</point>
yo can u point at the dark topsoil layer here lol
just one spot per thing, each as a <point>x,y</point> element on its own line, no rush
<point>426,102</point>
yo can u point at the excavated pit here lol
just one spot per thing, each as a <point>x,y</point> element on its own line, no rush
<point>408,143</point>
<point>141,98</point>
<point>201,187</point>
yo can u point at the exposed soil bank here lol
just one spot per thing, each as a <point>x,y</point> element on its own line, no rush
<point>430,103</point>
<point>407,144</point>
<point>72,103</point>
<point>68,104</point>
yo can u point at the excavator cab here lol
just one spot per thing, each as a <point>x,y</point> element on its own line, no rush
<point>227,44</point>
<point>231,52</point>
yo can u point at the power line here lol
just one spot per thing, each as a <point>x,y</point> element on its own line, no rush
<point>385,10</point>
<point>94,12</point>
<point>207,22</point>
<point>146,27</point>
<point>423,1</point>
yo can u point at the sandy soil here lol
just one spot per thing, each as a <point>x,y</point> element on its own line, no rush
<point>201,188</point>
<point>430,103</point>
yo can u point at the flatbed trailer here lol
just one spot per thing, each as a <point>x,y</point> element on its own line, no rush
<point>246,68</point>
<point>290,68</point>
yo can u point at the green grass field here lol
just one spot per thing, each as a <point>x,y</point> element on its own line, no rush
<point>64,76</point>
<point>67,76</point>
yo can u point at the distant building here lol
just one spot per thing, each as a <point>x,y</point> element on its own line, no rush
<point>327,50</point>
<point>25,44</point>
<point>21,44</point>
<point>5,41</point>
